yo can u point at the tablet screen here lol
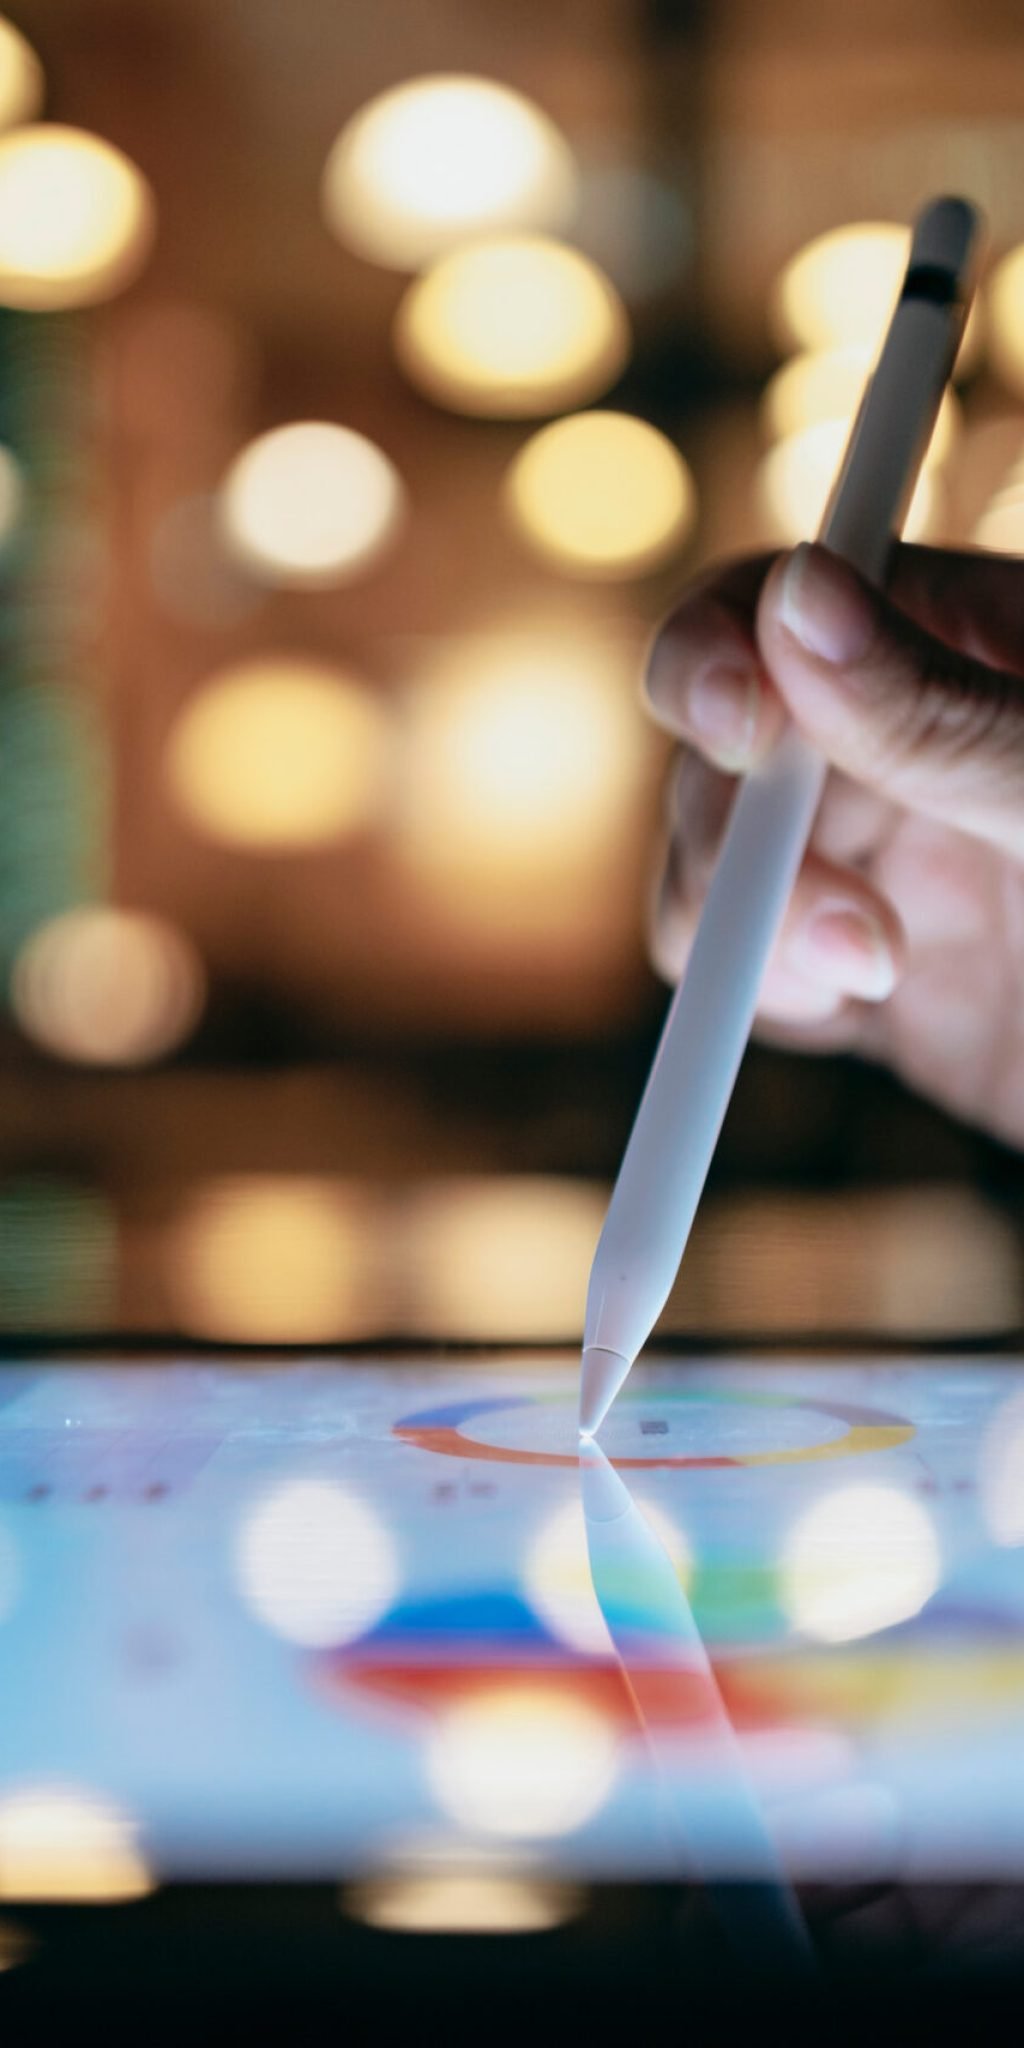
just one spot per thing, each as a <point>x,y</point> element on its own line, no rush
<point>315,1618</point>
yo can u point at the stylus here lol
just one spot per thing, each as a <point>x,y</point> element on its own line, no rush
<point>717,1826</point>
<point>710,1017</point>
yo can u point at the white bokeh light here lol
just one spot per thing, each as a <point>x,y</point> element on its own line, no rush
<point>521,1761</point>
<point>859,1559</point>
<point>314,1563</point>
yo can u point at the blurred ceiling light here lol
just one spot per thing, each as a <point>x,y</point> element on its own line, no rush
<point>602,494</point>
<point>1001,526</point>
<point>474,1903</point>
<point>839,290</point>
<point>310,504</point>
<point>22,85</point>
<point>470,1242</point>
<point>438,159</point>
<point>1006,319</point>
<point>314,1563</point>
<point>512,327</point>
<point>525,756</point>
<point>280,754</point>
<point>558,1584</point>
<point>828,384</point>
<point>794,480</point>
<point>517,1760</point>
<point>108,987</point>
<point>635,224</point>
<point>76,218</point>
<point>1001,1473</point>
<point>860,1559</point>
<point>271,1258</point>
<point>60,1844</point>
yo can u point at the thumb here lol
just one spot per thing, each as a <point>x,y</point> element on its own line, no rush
<point>917,721</point>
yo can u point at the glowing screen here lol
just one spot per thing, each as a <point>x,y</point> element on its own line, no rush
<point>326,1618</point>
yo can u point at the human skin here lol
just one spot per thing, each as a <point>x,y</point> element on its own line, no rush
<point>905,937</point>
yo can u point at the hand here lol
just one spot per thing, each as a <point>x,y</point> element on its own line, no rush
<point>905,937</point>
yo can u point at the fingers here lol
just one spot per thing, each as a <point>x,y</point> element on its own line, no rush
<point>840,938</point>
<point>705,679</point>
<point>919,723</point>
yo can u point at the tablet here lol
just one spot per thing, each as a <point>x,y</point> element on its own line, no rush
<point>366,1618</point>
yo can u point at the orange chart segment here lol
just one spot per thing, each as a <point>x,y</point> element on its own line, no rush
<point>449,1431</point>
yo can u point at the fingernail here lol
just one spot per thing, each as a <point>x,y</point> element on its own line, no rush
<point>821,603</point>
<point>723,706</point>
<point>847,948</point>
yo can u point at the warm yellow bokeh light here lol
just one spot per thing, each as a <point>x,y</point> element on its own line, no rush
<point>521,1761</point>
<point>840,289</point>
<point>22,84</point>
<point>510,327</point>
<point>310,504</point>
<point>271,1258</point>
<point>315,1563</point>
<point>58,1843</point>
<point>108,987</point>
<point>1006,319</point>
<point>525,755</point>
<point>470,1242</point>
<point>279,755</point>
<point>602,494</point>
<point>794,480</point>
<point>860,1559</point>
<point>828,384</point>
<point>76,218</point>
<point>472,1903</point>
<point>441,158</point>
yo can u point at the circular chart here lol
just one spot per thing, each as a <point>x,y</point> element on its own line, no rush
<point>694,1428</point>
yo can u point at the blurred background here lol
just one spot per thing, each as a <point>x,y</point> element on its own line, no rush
<point>370,377</point>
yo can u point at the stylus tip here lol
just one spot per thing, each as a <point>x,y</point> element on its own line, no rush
<point>601,1377</point>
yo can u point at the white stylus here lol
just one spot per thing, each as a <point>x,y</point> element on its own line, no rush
<point>709,1021</point>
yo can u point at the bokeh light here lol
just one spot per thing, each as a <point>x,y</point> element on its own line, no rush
<point>76,218</point>
<point>828,384</point>
<point>435,160</point>
<point>469,1242</point>
<point>860,1559</point>
<point>558,1583</point>
<point>310,504</point>
<point>840,289</point>
<point>521,1761</point>
<point>108,987</point>
<point>272,1258</point>
<point>315,1563</point>
<point>602,494</point>
<point>280,754</point>
<point>524,760</point>
<point>22,85</point>
<point>58,1843</point>
<point>1006,319</point>
<point>1001,526</point>
<point>1001,1473</point>
<point>512,327</point>
<point>473,1903</point>
<point>793,483</point>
